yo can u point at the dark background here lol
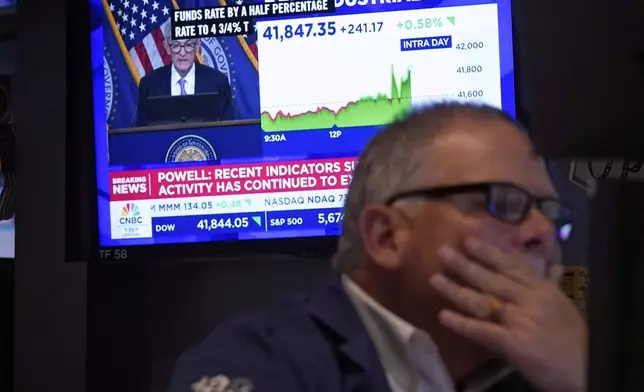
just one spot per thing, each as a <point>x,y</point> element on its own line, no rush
<point>7,57</point>
<point>118,327</point>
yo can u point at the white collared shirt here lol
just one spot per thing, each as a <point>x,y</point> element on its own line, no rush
<point>174,81</point>
<point>409,356</point>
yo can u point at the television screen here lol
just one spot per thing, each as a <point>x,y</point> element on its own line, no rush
<point>220,121</point>
<point>7,233</point>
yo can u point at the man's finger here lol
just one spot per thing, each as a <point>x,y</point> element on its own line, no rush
<point>510,265</point>
<point>487,334</point>
<point>479,277</point>
<point>468,300</point>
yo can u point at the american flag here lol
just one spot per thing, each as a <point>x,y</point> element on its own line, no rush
<point>142,25</point>
<point>251,38</point>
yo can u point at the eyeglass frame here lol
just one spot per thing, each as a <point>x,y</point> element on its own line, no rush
<point>442,192</point>
<point>182,46</point>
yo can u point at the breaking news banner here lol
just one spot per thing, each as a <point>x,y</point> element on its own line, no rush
<point>240,179</point>
<point>238,19</point>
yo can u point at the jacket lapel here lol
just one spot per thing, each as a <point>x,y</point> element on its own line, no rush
<point>167,76</point>
<point>358,360</point>
<point>199,87</point>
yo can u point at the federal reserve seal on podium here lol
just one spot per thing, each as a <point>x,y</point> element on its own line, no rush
<point>190,148</point>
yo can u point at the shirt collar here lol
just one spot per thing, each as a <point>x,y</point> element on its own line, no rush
<point>487,377</point>
<point>401,328</point>
<point>403,348</point>
<point>175,77</point>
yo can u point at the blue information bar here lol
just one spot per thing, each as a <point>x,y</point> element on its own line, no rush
<point>250,222</point>
<point>352,7</point>
<point>337,141</point>
<point>426,43</point>
<point>304,219</point>
<point>201,224</point>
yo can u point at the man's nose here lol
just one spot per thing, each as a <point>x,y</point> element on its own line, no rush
<point>536,234</point>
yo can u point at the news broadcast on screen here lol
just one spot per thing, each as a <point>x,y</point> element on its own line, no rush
<point>225,121</point>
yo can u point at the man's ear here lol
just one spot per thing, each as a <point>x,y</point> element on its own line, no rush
<point>384,234</point>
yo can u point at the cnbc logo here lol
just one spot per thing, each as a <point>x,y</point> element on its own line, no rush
<point>130,215</point>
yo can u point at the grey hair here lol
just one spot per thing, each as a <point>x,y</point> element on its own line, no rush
<point>391,163</point>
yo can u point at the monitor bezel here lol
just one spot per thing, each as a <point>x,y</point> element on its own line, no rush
<point>300,247</point>
<point>8,9</point>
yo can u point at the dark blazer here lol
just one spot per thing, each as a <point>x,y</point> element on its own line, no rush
<point>313,343</point>
<point>207,80</point>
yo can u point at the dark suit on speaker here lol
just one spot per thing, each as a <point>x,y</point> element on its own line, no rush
<point>158,83</point>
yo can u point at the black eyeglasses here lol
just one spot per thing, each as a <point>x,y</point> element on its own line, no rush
<point>503,201</point>
<point>189,47</point>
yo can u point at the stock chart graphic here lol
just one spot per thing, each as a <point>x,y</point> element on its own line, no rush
<point>370,110</point>
<point>357,70</point>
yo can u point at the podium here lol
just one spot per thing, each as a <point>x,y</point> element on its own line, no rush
<point>153,145</point>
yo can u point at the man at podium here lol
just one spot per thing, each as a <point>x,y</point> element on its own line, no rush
<point>183,91</point>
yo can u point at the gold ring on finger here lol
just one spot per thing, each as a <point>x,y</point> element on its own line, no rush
<point>496,306</point>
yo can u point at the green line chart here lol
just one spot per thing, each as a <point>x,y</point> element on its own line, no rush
<point>379,109</point>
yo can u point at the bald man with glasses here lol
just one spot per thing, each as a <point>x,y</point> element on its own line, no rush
<point>445,278</point>
<point>185,76</point>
